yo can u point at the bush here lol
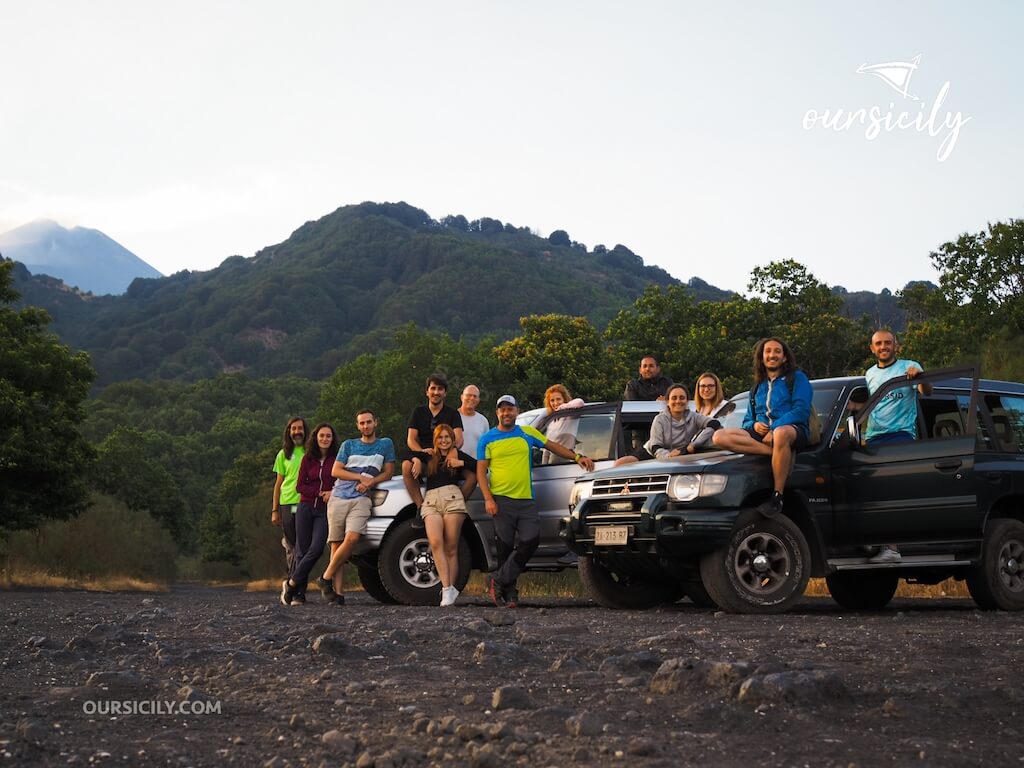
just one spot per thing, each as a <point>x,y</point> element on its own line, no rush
<point>108,539</point>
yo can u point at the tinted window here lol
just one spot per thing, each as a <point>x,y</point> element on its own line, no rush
<point>1008,422</point>
<point>587,433</point>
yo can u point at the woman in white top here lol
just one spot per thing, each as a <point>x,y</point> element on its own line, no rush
<point>709,399</point>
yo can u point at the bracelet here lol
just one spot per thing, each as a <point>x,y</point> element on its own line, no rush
<point>578,457</point>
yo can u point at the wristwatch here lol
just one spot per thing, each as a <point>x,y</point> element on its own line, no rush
<point>579,456</point>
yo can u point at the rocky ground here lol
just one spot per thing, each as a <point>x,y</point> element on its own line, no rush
<point>929,682</point>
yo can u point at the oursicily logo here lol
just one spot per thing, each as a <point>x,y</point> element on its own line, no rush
<point>875,119</point>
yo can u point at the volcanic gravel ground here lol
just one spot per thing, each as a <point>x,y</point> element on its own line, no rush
<point>927,682</point>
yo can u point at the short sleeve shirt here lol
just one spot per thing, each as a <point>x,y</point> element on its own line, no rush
<point>473,428</point>
<point>423,421</point>
<point>290,469</point>
<point>508,454</point>
<point>897,412</point>
<point>364,458</point>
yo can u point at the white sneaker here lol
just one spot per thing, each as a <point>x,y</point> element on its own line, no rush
<point>448,595</point>
<point>887,555</point>
<point>453,593</point>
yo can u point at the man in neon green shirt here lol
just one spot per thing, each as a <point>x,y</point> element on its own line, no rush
<point>505,452</point>
<point>286,498</point>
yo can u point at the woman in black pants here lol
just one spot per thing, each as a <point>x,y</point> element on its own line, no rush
<point>314,486</point>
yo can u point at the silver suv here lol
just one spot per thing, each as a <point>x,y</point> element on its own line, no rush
<point>394,560</point>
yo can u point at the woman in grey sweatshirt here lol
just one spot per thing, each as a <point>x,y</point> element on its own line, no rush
<point>672,430</point>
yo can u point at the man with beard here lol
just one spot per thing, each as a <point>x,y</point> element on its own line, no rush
<point>650,384</point>
<point>505,452</point>
<point>777,421</point>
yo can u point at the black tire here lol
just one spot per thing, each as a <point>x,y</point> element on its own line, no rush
<point>763,569</point>
<point>862,590</point>
<point>406,566</point>
<point>699,595</point>
<point>997,582</point>
<point>612,587</point>
<point>369,577</point>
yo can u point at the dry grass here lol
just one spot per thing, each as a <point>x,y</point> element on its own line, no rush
<point>39,579</point>
<point>947,588</point>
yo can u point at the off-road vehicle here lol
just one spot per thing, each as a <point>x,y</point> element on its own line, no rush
<point>394,560</point>
<point>952,501</point>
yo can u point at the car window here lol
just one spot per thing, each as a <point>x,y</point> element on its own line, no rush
<point>1008,422</point>
<point>983,440</point>
<point>591,434</point>
<point>824,401</point>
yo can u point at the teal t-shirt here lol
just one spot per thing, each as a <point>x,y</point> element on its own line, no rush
<point>897,412</point>
<point>290,469</point>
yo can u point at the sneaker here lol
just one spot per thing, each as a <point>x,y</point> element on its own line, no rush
<point>772,507</point>
<point>512,598</point>
<point>338,600</point>
<point>417,522</point>
<point>448,596</point>
<point>287,593</point>
<point>496,593</point>
<point>326,588</point>
<point>887,555</point>
<point>299,599</point>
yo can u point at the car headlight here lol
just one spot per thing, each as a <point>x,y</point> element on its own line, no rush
<point>689,487</point>
<point>580,492</point>
<point>378,497</point>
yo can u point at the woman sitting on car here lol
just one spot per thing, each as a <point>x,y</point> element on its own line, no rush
<point>709,399</point>
<point>443,507</point>
<point>673,430</point>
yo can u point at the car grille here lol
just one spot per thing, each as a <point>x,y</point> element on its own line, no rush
<point>639,485</point>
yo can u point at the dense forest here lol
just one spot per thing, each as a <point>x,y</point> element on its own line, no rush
<point>195,456</point>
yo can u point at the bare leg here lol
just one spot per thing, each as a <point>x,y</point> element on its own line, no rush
<point>452,529</point>
<point>782,455</point>
<point>737,440</point>
<point>625,460</point>
<point>412,484</point>
<point>435,535</point>
<point>340,553</point>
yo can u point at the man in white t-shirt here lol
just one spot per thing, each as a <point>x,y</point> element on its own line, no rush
<point>474,424</point>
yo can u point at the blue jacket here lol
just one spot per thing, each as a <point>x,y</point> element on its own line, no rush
<point>785,407</point>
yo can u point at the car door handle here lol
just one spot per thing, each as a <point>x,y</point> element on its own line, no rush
<point>996,477</point>
<point>947,465</point>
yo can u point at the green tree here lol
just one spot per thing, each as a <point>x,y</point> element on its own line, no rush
<point>556,349</point>
<point>44,460</point>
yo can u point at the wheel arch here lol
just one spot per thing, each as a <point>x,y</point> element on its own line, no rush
<point>1010,506</point>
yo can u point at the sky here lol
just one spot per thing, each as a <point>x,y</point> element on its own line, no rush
<point>703,136</point>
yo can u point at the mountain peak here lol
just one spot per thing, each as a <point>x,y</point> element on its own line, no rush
<point>82,257</point>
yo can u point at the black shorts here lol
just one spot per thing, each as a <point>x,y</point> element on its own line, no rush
<point>799,444</point>
<point>642,454</point>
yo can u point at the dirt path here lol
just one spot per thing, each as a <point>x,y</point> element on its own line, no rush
<point>928,682</point>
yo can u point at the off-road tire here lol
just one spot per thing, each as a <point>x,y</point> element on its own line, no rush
<point>369,577</point>
<point>764,568</point>
<point>609,584</point>
<point>997,582</point>
<point>869,590</point>
<point>406,566</point>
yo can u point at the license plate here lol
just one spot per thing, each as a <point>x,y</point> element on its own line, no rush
<point>611,535</point>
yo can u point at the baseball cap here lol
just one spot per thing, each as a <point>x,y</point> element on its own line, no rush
<point>506,400</point>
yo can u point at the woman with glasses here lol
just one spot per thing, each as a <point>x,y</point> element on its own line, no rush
<point>709,400</point>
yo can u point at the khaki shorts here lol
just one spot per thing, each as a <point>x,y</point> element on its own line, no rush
<point>347,516</point>
<point>446,500</point>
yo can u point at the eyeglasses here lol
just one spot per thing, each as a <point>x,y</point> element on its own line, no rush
<point>707,386</point>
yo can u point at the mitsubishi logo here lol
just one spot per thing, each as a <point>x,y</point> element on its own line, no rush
<point>625,489</point>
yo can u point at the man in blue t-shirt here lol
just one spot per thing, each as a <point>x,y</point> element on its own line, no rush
<point>894,419</point>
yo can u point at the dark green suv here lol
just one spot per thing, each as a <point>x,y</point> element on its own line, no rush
<point>952,502</point>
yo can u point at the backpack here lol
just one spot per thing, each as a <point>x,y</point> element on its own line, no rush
<point>813,422</point>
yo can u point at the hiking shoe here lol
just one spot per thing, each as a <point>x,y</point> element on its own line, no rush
<point>496,593</point>
<point>326,588</point>
<point>772,507</point>
<point>287,593</point>
<point>512,598</point>
<point>887,555</point>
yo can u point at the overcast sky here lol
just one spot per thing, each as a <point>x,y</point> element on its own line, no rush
<point>192,131</point>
